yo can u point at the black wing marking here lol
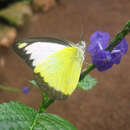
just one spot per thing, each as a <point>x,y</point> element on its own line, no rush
<point>22,52</point>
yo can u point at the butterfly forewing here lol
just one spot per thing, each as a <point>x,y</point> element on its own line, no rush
<point>33,50</point>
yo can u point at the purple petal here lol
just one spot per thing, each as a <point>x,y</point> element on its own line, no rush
<point>97,38</point>
<point>93,48</point>
<point>26,90</point>
<point>102,60</point>
<point>106,37</point>
<point>119,51</point>
<point>122,46</point>
<point>116,57</point>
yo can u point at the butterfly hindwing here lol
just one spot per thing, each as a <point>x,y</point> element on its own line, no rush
<point>61,70</point>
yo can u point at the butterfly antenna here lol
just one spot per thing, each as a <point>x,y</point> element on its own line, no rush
<point>82,38</point>
<point>82,33</point>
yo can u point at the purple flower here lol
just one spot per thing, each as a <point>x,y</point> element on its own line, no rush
<point>102,60</point>
<point>116,57</point>
<point>119,51</point>
<point>26,90</point>
<point>98,40</point>
<point>122,46</point>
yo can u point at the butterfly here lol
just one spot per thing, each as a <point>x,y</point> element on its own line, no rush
<point>56,63</point>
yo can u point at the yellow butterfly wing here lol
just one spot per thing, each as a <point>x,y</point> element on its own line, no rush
<point>60,71</point>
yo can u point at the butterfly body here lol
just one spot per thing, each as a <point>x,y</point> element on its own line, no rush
<point>56,63</point>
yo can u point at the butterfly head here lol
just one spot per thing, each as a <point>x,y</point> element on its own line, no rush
<point>82,45</point>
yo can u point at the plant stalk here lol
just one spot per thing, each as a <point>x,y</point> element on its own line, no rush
<point>46,102</point>
<point>15,90</point>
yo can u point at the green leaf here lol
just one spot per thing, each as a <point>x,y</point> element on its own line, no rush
<point>87,83</point>
<point>17,116</point>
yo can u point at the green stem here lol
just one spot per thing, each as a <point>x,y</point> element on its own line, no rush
<point>119,37</point>
<point>89,68</point>
<point>9,89</point>
<point>46,102</point>
<point>112,44</point>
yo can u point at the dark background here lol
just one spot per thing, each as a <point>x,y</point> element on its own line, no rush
<point>107,105</point>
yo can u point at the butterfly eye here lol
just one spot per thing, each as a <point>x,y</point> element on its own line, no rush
<point>82,45</point>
